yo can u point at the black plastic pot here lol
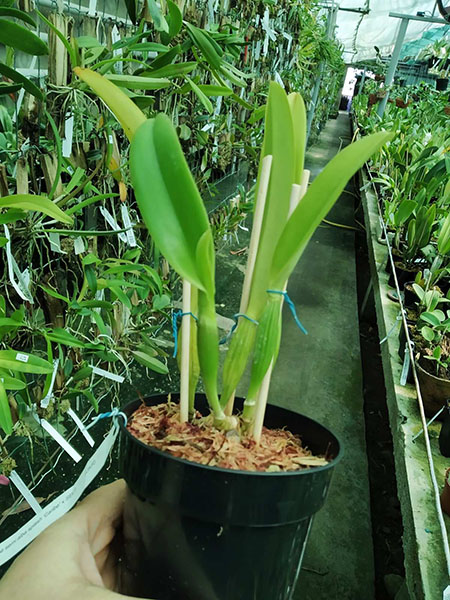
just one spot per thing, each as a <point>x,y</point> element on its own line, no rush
<point>441,84</point>
<point>194,532</point>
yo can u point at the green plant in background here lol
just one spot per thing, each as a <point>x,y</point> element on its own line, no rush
<point>176,219</point>
<point>88,299</point>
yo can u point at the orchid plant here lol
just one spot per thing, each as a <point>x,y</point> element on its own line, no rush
<point>286,216</point>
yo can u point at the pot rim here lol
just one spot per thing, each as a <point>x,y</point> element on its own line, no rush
<point>331,464</point>
<point>420,368</point>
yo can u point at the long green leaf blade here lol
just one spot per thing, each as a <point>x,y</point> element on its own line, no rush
<point>36,203</point>
<point>278,142</point>
<point>314,206</point>
<point>133,82</point>
<point>124,109</point>
<point>23,362</point>
<point>5,412</point>
<point>167,196</point>
<point>16,36</point>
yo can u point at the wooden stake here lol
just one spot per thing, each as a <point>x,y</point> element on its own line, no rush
<point>298,191</point>
<point>253,248</point>
<point>256,230</point>
<point>185,344</point>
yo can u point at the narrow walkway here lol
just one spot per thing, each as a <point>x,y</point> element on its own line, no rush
<point>320,375</point>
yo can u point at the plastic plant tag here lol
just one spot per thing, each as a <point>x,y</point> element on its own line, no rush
<point>55,242</point>
<point>49,395</point>
<point>58,507</point>
<point>446,595</point>
<point>59,439</point>
<point>68,136</point>
<point>108,375</point>
<point>128,226</point>
<point>115,37</point>
<point>78,422</point>
<point>406,365</point>
<point>17,480</point>
<point>92,8</point>
<point>112,223</point>
<point>78,245</point>
<point>22,357</point>
<point>22,284</point>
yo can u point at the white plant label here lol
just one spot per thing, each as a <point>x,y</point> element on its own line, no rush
<point>56,509</point>
<point>55,242</point>
<point>59,439</point>
<point>115,37</point>
<point>128,226</point>
<point>79,423</point>
<point>17,480</point>
<point>68,136</point>
<point>49,395</point>
<point>447,593</point>
<point>112,223</point>
<point>92,8</point>
<point>22,92</point>
<point>22,357</point>
<point>108,375</point>
<point>406,365</point>
<point>22,284</point>
<point>78,245</point>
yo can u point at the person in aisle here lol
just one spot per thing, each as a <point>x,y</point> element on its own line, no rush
<point>74,558</point>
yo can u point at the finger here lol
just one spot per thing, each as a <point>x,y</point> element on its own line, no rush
<point>106,502</point>
<point>100,513</point>
<point>95,593</point>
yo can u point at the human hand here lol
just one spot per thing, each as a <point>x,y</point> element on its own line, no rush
<point>73,558</point>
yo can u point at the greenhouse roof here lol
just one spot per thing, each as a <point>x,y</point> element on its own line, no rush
<point>361,33</point>
<point>411,49</point>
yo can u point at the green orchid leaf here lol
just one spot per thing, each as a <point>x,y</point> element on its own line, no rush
<point>9,88</point>
<point>150,362</point>
<point>23,362</point>
<point>11,383</point>
<point>159,21</point>
<point>61,336</point>
<point>14,75</point>
<point>279,143</point>
<point>148,47</point>
<point>172,70</point>
<point>6,11</point>
<point>216,90</point>
<point>132,82</point>
<point>132,10</point>
<point>201,96</point>
<point>36,203</point>
<point>5,412</point>
<point>124,109</point>
<point>205,44</point>
<point>443,241</point>
<point>174,20</point>
<point>427,333</point>
<point>404,210</point>
<point>16,36</point>
<point>318,200</point>
<point>171,207</point>
<point>298,113</point>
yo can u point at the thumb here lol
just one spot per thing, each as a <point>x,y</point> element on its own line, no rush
<point>97,593</point>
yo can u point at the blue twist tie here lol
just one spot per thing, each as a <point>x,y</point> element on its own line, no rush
<point>292,308</point>
<point>235,317</point>
<point>114,413</point>
<point>175,316</point>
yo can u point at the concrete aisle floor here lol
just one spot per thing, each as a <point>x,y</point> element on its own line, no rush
<point>320,375</point>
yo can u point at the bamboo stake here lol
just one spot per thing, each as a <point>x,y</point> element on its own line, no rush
<point>298,191</point>
<point>185,344</point>
<point>253,247</point>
